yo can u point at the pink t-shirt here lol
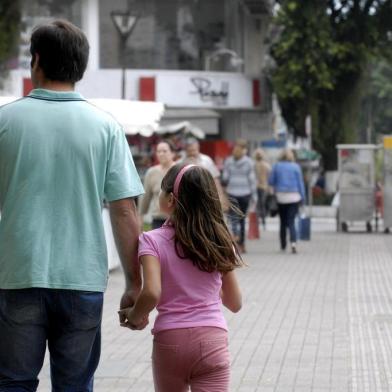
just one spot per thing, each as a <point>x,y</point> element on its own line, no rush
<point>190,297</point>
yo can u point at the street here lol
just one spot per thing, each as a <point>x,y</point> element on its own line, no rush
<point>317,321</point>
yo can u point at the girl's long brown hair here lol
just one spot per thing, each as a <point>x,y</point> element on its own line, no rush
<point>201,234</point>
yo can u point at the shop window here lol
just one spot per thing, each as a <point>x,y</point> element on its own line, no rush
<point>169,34</point>
<point>35,12</point>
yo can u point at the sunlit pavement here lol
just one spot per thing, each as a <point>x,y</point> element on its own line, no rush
<point>320,320</point>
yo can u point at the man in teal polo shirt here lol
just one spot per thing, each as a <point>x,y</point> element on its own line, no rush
<point>60,158</point>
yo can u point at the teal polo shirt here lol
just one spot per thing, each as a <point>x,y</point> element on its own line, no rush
<point>60,157</point>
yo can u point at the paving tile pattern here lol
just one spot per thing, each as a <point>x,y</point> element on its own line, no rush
<point>370,310</point>
<point>317,321</point>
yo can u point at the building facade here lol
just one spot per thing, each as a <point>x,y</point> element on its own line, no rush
<point>202,58</point>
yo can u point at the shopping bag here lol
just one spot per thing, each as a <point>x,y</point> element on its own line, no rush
<point>304,225</point>
<point>253,226</point>
<point>271,204</point>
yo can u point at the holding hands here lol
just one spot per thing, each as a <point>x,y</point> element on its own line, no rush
<point>129,319</point>
<point>136,305</point>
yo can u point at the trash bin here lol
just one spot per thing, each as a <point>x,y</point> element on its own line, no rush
<point>357,185</point>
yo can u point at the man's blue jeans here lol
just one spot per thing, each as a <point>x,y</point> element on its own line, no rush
<point>68,321</point>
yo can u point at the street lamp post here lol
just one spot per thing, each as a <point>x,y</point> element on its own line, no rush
<point>124,23</point>
<point>235,59</point>
<point>308,131</point>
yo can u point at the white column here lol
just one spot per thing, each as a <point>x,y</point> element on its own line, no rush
<point>90,25</point>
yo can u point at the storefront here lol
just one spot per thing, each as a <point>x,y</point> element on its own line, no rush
<point>202,59</point>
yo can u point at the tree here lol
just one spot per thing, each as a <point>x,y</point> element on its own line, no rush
<point>9,33</point>
<point>376,111</point>
<point>322,60</point>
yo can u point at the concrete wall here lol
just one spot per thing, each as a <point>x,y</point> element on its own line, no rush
<point>255,31</point>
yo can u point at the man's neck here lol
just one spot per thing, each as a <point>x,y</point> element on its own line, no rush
<point>56,86</point>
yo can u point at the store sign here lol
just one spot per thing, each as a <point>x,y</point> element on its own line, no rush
<point>207,93</point>
<point>124,22</point>
<point>190,89</point>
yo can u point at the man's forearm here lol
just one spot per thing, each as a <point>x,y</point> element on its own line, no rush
<point>126,229</point>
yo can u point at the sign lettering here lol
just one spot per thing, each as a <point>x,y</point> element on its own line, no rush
<point>208,94</point>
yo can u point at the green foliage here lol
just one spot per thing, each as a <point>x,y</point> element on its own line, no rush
<point>376,110</point>
<point>9,33</point>
<point>303,51</point>
<point>322,58</point>
<point>380,97</point>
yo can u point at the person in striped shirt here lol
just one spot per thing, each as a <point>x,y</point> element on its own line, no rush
<point>241,187</point>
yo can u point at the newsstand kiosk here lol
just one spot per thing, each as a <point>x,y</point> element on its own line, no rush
<point>387,183</point>
<point>357,184</point>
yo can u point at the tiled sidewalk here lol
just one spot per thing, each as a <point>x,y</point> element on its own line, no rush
<point>317,321</point>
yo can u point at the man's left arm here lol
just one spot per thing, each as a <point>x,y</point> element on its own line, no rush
<point>122,185</point>
<point>126,230</point>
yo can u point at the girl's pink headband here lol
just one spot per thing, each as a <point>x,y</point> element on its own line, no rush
<point>179,178</point>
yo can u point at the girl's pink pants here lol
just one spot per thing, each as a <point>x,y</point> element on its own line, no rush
<point>191,357</point>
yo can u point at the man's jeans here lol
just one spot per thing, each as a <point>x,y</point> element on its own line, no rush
<point>69,321</point>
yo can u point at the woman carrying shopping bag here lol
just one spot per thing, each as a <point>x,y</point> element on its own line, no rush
<point>287,181</point>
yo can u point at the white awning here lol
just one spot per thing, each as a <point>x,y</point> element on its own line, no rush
<point>182,126</point>
<point>136,117</point>
<point>8,99</point>
<point>206,120</point>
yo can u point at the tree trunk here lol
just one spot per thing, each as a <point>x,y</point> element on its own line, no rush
<point>339,118</point>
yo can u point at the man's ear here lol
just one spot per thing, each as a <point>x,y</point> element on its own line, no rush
<point>34,60</point>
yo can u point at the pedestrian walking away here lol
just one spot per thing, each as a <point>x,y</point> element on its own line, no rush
<point>262,169</point>
<point>195,157</point>
<point>240,181</point>
<point>60,158</point>
<point>152,183</point>
<point>188,272</point>
<point>288,184</point>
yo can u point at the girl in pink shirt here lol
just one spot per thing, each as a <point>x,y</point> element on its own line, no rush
<point>188,272</point>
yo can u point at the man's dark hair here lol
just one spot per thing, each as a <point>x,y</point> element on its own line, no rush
<point>63,51</point>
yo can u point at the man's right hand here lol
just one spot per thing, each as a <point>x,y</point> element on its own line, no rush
<point>130,321</point>
<point>128,299</point>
